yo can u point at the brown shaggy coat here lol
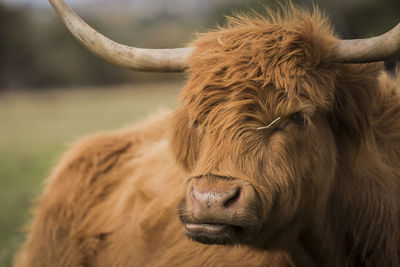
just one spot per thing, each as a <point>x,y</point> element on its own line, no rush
<point>327,175</point>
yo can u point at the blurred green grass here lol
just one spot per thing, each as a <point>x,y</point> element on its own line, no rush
<point>36,127</point>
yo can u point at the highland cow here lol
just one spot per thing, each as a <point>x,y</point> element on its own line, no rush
<point>284,151</point>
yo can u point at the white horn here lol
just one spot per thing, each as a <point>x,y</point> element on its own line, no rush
<point>139,59</point>
<point>372,49</point>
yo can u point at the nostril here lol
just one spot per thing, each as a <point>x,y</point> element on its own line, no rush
<point>227,200</point>
<point>233,199</point>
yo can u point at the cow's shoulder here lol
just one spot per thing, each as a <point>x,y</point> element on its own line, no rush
<point>92,172</point>
<point>80,203</point>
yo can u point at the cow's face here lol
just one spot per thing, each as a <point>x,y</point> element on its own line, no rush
<point>247,183</point>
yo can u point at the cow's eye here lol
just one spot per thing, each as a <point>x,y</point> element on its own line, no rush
<point>198,128</point>
<point>298,117</point>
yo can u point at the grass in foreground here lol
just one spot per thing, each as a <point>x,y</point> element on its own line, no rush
<point>36,127</point>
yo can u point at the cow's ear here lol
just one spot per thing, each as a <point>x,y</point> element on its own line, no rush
<point>184,139</point>
<point>355,98</point>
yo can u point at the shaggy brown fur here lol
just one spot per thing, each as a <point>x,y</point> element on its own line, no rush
<point>326,177</point>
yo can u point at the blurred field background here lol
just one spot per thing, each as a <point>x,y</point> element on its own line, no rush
<point>53,92</point>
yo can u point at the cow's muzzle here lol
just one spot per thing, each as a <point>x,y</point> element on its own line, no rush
<point>218,209</point>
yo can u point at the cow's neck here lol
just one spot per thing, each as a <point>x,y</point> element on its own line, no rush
<point>361,226</point>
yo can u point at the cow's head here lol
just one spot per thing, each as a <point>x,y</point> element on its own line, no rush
<point>257,128</point>
<point>252,130</point>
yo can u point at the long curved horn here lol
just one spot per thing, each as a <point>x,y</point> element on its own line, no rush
<point>372,49</point>
<point>139,59</point>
